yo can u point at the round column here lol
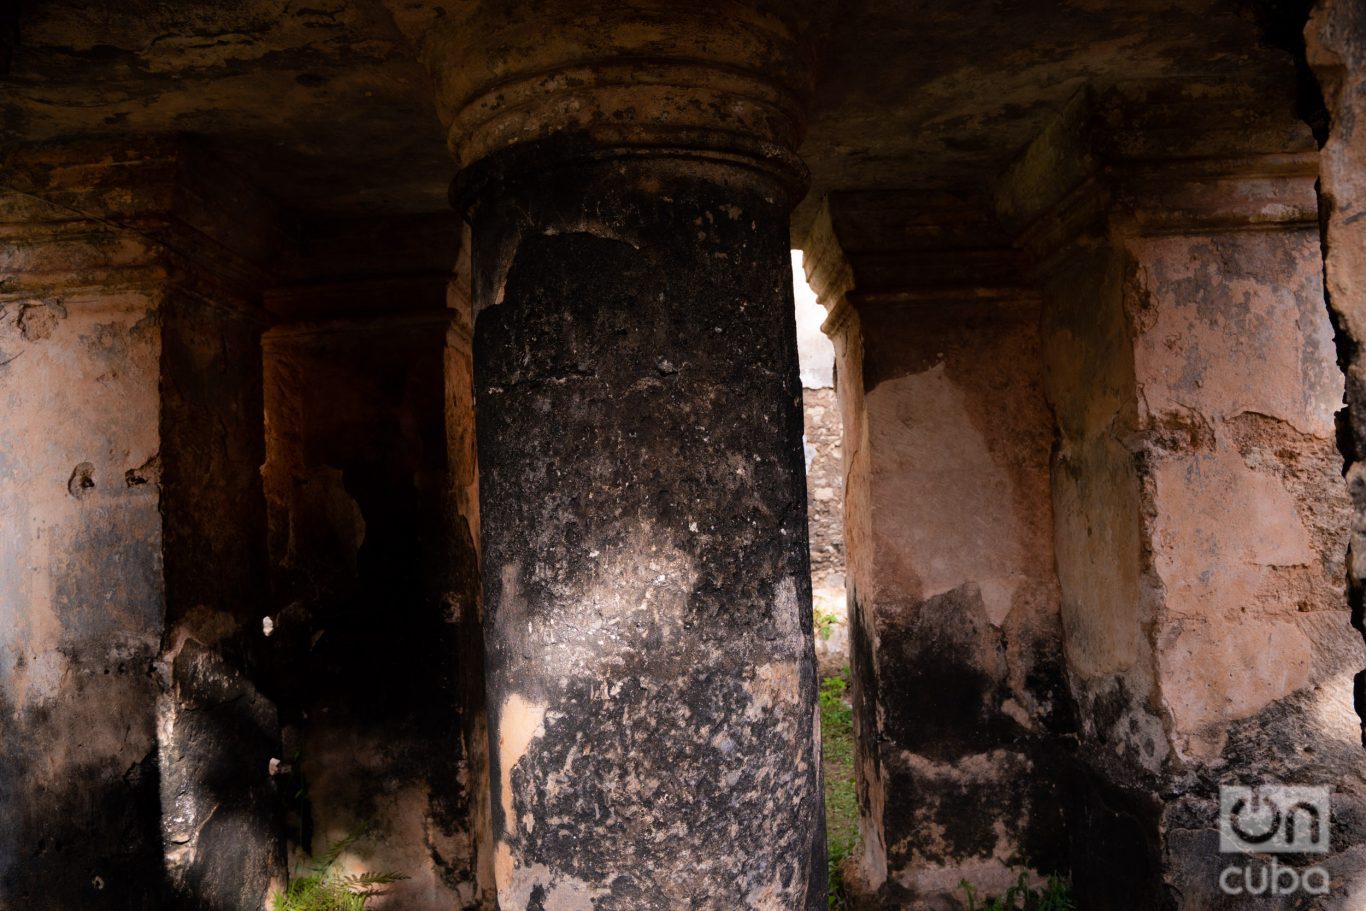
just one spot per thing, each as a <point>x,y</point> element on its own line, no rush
<point>651,674</point>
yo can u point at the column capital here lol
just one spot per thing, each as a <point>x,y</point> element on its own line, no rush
<point>725,80</point>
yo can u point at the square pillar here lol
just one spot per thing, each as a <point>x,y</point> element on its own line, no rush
<point>134,766</point>
<point>961,704</point>
<point>1201,519</point>
<point>375,620</point>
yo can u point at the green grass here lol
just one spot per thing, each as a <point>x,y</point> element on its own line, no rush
<point>841,799</point>
<point>1055,895</point>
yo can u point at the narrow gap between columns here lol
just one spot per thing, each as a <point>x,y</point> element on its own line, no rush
<point>830,617</point>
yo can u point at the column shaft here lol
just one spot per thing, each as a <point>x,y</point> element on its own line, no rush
<point>651,670</point>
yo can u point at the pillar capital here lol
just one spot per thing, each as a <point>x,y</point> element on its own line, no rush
<point>81,219</point>
<point>1132,163</point>
<point>870,249</point>
<point>724,80</point>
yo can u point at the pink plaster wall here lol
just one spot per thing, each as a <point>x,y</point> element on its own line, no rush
<point>956,639</point>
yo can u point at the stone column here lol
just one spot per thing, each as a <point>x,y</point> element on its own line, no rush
<point>465,598</point>
<point>961,704</point>
<point>135,752</point>
<point>642,512</point>
<point>1200,515</point>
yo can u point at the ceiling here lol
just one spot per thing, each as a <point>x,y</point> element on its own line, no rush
<point>322,104</point>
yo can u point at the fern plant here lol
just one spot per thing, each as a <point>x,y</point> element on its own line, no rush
<point>825,623</point>
<point>328,888</point>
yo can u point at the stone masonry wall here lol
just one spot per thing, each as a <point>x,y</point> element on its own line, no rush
<point>825,523</point>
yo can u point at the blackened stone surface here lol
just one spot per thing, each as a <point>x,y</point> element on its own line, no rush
<point>217,732</point>
<point>651,671</point>
<point>88,839</point>
<point>218,736</point>
<point>1116,863</point>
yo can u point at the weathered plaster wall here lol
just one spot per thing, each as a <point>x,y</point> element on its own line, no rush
<point>846,332</point>
<point>1201,528</point>
<point>372,600</point>
<point>959,685</point>
<point>1234,357</point>
<point>1335,39</point>
<point>121,674</point>
<point>83,601</point>
<point>1107,599</point>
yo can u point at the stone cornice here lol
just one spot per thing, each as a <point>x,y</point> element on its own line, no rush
<point>1141,160</point>
<point>139,213</point>
<point>870,249</point>
<point>827,269</point>
<point>1086,176</point>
